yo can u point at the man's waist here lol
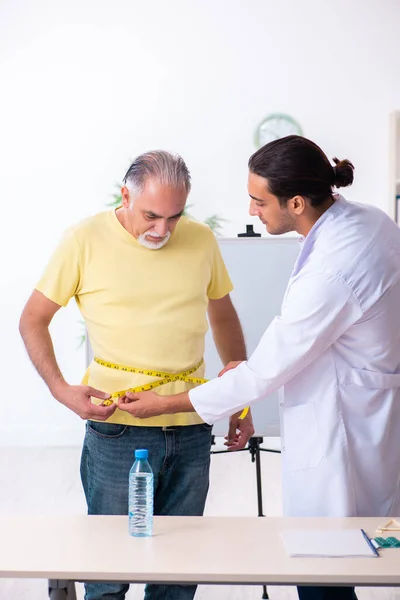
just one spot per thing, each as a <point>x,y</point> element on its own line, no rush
<point>117,379</point>
<point>162,422</point>
<point>176,427</point>
<point>171,375</point>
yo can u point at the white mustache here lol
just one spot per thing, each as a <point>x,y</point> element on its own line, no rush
<point>152,245</point>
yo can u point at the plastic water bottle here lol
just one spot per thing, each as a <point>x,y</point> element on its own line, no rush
<point>141,496</point>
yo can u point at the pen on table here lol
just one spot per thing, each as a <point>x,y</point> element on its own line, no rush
<point>370,544</point>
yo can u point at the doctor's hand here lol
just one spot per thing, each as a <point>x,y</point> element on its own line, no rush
<point>142,405</point>
<point>240,431</point>
<point>232,365</point>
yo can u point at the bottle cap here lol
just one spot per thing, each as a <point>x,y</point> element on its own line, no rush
<point>141,453</point>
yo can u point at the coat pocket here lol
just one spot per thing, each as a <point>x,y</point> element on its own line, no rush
<point>302,445</point>
<point>373,379</point>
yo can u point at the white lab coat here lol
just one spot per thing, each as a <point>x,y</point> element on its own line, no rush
<point>335,349</point>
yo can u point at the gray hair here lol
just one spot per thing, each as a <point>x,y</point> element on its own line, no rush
<point>168,169</point>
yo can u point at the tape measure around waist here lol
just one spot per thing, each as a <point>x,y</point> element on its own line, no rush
<point>163,378</point>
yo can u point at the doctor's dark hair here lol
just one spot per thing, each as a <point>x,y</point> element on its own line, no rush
<point>295,166</point>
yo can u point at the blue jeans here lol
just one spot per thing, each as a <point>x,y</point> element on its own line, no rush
<point>180,459</point>
<point>326,593</point>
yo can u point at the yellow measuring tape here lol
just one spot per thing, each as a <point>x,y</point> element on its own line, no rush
<point>163,378</point>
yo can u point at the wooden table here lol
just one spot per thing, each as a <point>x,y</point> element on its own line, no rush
<point>204,550</point>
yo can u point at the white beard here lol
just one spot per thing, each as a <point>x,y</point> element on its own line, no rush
<point>143,241</point>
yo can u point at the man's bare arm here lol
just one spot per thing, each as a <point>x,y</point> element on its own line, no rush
<point>229,340</point>
<point>34,328</point>
<point>226,329</point>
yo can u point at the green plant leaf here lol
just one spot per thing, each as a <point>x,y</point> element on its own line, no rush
<point>117,201</point>
<point>187,214</point>
<point>82,336</point>
<point>216,223</point>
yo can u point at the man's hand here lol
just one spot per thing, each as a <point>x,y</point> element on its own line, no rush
<point>78,399</point>
<point>240,431</point>
<point>143,404</point>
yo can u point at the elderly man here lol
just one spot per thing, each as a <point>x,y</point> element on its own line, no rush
<point>143,278</point>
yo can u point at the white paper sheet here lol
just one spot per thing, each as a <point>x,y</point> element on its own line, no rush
<point>330,543</point>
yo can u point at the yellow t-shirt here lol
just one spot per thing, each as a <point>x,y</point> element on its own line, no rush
<point>142,308</point>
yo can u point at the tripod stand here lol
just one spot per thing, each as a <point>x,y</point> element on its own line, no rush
<point>255,450</point>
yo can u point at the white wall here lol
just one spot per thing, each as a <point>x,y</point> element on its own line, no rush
<point>87,85</point>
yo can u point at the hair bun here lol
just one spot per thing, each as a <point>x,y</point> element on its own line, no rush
<point>343,173</point>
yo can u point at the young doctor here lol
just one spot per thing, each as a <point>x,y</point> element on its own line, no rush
<point>334,349</point>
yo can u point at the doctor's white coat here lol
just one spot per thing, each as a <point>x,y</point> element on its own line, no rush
<point>335,349</point>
